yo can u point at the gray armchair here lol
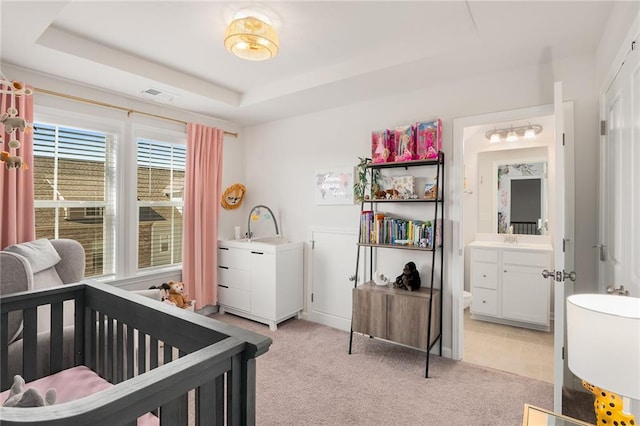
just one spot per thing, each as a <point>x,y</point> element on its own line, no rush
<point>35,265</point>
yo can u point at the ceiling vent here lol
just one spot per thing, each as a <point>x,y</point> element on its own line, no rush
<point>159,95</point>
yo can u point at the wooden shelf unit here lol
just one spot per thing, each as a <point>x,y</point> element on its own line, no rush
<point>412,318</point>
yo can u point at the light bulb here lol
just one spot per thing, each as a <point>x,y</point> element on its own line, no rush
<point>512,136</point>
<point>530,133</point>
<point>495,137</point>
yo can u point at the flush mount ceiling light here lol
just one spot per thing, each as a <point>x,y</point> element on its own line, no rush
<point>251,38</point>
<point>512,134</point>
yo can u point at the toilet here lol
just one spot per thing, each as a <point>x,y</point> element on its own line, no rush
<point>467,299</point>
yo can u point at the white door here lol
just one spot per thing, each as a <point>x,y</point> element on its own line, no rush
<point>619,249</point>
<point>332,259</point>
<point>563,237</point>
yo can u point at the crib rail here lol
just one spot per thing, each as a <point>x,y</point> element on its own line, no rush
<point>153,353</point>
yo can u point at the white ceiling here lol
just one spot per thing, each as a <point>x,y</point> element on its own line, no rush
<point>331,53</point>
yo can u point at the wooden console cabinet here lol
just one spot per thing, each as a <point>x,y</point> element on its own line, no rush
<point>400,316</point>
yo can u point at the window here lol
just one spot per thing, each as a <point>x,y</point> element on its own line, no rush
<point>160,194</point>
<point>73,190</point>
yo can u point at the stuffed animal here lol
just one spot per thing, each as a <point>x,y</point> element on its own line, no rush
<point>11,161</point>
<point>12,122</point>
<point>410,278</point>
<point>164,293</point>
<point>19,397</point>
<point>177,295</point>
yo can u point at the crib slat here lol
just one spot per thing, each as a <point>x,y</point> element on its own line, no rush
<point>29,344</point>
<point>119,353</point>
<point>129,357</point>
<point>101,367</point>
<point>4,351</point>
<point>167,355</point>
<point>175,412</point>
<point>206,410</point>
<point>55,340</point>
<point>90,340</point>
<point>79,336</point>
<point>219,399</point>
<point>153,353</point>
<point>142,352</point>
<point>110,356</point>
<point>234,388</point>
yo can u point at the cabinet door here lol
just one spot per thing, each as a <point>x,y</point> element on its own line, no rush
<point>263,284</point>
<point>525,294</point>
<point>407,319</point>
<point>369,312</point>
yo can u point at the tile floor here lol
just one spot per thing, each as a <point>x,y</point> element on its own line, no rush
<point>517,350</point>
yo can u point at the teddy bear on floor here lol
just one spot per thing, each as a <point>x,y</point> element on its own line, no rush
<point>19,397</point>
<point>177,294</point>
<point>410,278</point>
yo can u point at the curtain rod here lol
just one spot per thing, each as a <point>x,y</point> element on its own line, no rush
<point>128,110</point>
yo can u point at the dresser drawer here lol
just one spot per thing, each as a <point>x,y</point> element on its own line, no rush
<point>484,302</point>
<point>484,255</point>
<point>234,278</point>
<point>238,299</point>
<point>484,275</point>
<point>234,258</point>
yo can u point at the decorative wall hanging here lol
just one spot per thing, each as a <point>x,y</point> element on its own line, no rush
<point>334,186</point>
<point>13,122</point>
<point>233,196</point>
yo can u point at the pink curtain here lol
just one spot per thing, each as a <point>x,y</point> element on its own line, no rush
<point>200,218</point>
<point>17,214</point>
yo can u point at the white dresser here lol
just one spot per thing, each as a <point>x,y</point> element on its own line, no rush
<point>507,284</point>
<point>261,282</point>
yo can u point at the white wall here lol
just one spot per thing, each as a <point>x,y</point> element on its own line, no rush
<point>281,156</point>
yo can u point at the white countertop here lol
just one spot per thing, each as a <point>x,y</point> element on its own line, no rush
<point>512,246</point>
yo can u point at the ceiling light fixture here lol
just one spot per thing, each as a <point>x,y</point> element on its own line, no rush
<point>512,134</point>
<point>252,39</point>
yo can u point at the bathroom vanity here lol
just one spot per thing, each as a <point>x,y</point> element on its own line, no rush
<point>261,279</point>
<point>507,285</point>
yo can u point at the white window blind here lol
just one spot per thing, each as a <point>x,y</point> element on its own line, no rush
<point>74,183</point>
<point>160,192</point>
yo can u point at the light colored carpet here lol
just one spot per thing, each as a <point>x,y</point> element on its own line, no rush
<point>308,378</point>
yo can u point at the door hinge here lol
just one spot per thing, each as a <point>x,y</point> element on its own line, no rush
<point>564,245</point>
<point>603,127</point>
<point>562,139</point>
<point>563,352</point>
<point>311,297</point>
<point>313,244</point>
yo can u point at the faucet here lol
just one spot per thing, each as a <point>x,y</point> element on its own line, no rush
<point>275,222</point>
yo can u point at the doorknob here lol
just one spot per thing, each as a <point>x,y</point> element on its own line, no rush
<point>559,275</point>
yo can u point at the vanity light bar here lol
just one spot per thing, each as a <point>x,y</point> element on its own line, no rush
<point>511,134</point>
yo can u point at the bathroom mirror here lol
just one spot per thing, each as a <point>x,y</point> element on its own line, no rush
<point>513,193</point>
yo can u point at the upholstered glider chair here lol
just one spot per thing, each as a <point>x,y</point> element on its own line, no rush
<point>35,265</point>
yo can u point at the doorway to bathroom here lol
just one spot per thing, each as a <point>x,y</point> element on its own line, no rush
<point>485,214</point>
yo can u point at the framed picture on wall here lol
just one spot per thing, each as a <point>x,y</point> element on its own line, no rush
<point>334,186</point>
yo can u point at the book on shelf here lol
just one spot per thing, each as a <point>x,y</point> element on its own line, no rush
<point>381,228</point>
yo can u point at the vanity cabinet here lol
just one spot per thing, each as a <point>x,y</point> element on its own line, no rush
<point>262,283</point>
<point>507,285</point>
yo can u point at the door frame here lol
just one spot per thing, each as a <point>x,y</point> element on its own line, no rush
<point>456,177</point>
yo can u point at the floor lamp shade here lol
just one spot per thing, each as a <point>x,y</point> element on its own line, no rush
<point>603,337</point>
